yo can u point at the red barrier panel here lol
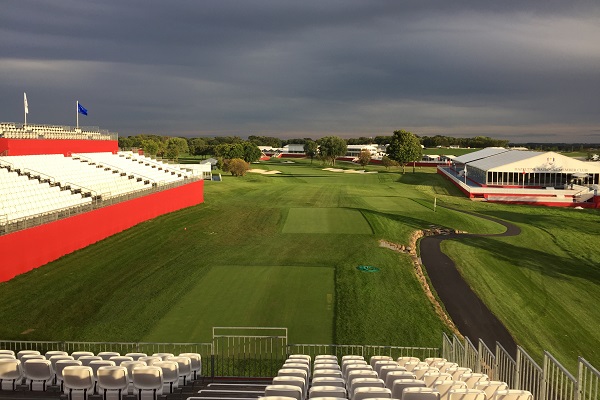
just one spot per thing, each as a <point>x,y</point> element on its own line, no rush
<point>24,147</point>
<point>25,250</point>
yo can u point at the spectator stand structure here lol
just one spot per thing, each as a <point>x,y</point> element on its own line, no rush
<point>254,362</point>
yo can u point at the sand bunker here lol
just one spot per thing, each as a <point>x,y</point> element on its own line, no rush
<point>263,171</point>
<point>349,171</point>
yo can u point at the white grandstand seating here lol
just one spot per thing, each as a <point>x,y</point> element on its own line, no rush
<point>327,391</point>
<point>431,377</point>
<point>471,379</point>
<point>420,393</point>
<point>59,368</point>
<point>170,371</point>
<point>420,371</point>
<point>394,375</point>
<point>339,382</point>
<point>284,390</point>
<point>196,362</point>
<point>138,165</point>
<point>364,382</point>
<point>513,395</point>
<point>35,131</point>
<point>11,373</point>
<point>491,387</point>
<point>400,384</point>
<point>148,382</point>
<point>38,374</point>
<point>371,393</point>
<point>386,369</point>
<point>466,394</point>
<point>377,365</point>
<point>185,368</point>
<point>291,381</point>
<point>444,387</point>
<point>78,382</point>
<point>112,382</point>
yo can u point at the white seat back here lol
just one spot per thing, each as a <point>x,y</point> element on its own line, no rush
<point>170,371</point>
<point>400,384</point>
<point>106,355</point>
<point>113,382</point>
<point>10,373</point>
<point>38,374</point>
<point>420,393</point>
<point>513,395</point>
<point>466,394</point>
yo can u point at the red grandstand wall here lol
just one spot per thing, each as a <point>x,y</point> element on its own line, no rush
<point>25,250</point>
<point>25,147</point>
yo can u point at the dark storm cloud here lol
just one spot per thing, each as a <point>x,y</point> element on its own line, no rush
<point>305,68</point>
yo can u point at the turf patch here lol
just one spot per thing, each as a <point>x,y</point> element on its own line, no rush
<point>299,298</point>
<point>326,220</point>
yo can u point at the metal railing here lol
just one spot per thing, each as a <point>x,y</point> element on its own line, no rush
<point>261,352</point>
<point>528,374</point>
<point>588,381</point>
<point>559,384</point>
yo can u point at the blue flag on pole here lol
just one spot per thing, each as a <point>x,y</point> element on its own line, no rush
<point>81,109</point>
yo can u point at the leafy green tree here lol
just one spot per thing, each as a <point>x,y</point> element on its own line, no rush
<point>310,148</point>
<point>331,147</point>
<point>229,150</point>
<point>388,162</point>
<point>197,146</point>
<point>176,146</point>
<point>125,143</point>
<point>404,148</point>
<point>251,152</point>
<point>364,157</point>
<point>236,166</point>
<point>150,147</point>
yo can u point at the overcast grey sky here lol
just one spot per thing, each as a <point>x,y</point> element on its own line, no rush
<point>518,70</point>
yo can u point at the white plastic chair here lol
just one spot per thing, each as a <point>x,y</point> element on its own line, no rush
<point>444,387</point>
<point>149,360</point>
<point>338,382</point>
<point>10,373</point>
<point>513,395</point>
<point>95,365</point>
<point>420,393</point>
<point>430,378</point>
<point>170,371</point>
<point>394,375</point>
<point>364,382</point>
<point>78,382</point>
<point>327,391</point>
<point>471,379</point>
<point>38,374</point>
<point>491,387</point>
<point>372,393</point>
<point>185,369</point>
<point>403,360</point>
<point>119,359</point>
<point>77,354</point>
<point>196,363</point>
<point>136,356</point>
<point>148,382</point>
<point>59,366</point>
<point>401,384</point>
<point>163,356</point>
<point>106,355</point>
<point>466,394</point>
<point>284,390</point>
<point>291,381</point>
<point>113,382</point>
<point>21,353</point>
<point>130,365</point>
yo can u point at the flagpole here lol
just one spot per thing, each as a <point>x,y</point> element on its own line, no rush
<point>77,113</point>
<point>25,107</point>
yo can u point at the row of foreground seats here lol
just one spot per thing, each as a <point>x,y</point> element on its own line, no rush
<point>110,374</point>
<point>407,378</point>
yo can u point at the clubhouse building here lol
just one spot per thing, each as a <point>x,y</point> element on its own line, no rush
<point>505,175</point>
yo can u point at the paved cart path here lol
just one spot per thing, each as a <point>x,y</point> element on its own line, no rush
<point>469,313</point>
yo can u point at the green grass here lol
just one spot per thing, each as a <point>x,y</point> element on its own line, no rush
<point>326,220</point>
<point>299,298</point>
<point>230,261</point>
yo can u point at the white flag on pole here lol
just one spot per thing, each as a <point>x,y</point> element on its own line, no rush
<point>25,103</point>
